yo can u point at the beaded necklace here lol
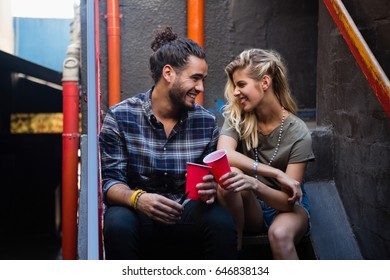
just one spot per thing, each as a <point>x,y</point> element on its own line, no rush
<point>255,150</point>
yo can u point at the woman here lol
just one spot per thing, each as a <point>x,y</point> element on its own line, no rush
<point>268,148</point>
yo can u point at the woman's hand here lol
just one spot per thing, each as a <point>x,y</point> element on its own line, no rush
<point>238,181</point>
<point>292,186</point>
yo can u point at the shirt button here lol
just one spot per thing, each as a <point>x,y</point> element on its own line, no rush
<point>164,148</point>
<point>165,173</point>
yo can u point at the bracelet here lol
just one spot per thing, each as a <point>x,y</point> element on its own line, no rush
<point>137,198</point>
<point>134,197</point>
<point>254,168</point>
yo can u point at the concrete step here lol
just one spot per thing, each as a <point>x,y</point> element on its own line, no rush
<point>332,236</point>
<point>256,247</point>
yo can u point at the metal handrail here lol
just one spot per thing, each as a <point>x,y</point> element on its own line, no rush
<point>362,53</point>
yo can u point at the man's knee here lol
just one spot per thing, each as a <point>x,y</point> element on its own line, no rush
<point>121,233</point>
<point>220,220</point>
<point>120,222</point>
<point>221,234</point>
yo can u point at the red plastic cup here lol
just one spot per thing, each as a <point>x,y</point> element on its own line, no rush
<point>219,164</point>
<point>195,174</point>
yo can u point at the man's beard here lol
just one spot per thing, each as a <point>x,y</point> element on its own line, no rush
<point>178,97</point>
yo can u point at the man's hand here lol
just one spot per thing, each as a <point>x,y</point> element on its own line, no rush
<point>160,208</point>
<point>208,189</point>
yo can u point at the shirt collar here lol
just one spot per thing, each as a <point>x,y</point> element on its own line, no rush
<point>147,105</point>
<point>150,114</point>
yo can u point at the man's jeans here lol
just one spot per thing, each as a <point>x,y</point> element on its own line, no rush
<point>210,228</point>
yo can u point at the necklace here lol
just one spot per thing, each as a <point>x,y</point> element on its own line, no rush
<point>256,151</point>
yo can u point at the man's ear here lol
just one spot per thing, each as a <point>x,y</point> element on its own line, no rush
<point>168,73</point>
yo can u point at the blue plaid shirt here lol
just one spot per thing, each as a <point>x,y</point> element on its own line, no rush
<point>136,151</point>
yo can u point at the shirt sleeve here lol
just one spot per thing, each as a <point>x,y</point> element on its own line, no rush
<point>302,149</point>
<point>215,136</point>
<point>113,154</point>
<point>228,130</point>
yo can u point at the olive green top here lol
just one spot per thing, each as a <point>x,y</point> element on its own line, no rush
<point>295,145</point>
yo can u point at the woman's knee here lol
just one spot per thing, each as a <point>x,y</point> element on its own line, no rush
<point>280,235</point>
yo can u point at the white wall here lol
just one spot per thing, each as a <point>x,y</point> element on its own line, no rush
<point>6,27</point>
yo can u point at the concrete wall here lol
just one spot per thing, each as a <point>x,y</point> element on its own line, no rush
<point>289,27</point>
<point>347,105</point>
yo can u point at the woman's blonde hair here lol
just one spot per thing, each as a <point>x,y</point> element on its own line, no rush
<point>256,63</point>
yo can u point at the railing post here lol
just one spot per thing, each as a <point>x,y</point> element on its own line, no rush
<point>92,172</point>
<point>362,53</point>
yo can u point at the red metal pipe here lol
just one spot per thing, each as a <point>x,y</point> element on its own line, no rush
<point>362,53</point>
<point>70,146</point>
<point>113,33</point>
<point>195,25</point>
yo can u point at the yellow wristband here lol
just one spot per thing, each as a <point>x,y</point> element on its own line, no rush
<point>134,197</point>
<point>137,199</point>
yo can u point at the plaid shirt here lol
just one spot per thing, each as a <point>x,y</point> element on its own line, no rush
<point>136,151</point>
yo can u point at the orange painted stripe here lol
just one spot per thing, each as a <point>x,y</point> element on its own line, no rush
<point>362,53</point>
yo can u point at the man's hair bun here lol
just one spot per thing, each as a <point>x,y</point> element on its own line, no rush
<point>162,37</point>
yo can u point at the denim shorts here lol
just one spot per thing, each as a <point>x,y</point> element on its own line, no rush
<point>270,213</point>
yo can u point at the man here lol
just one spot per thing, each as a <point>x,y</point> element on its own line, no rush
<point>145,143</point>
